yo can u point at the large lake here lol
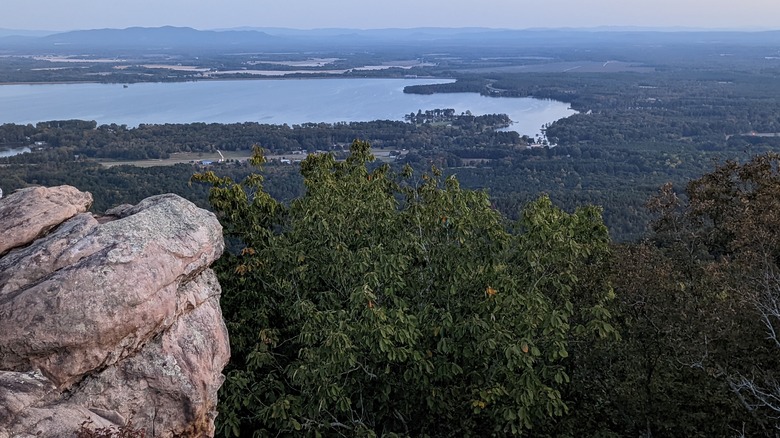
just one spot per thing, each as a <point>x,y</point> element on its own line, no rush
<point>276,101</point>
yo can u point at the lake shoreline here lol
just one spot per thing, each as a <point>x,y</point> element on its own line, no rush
<point>276,101</point>
<point>255,78</point>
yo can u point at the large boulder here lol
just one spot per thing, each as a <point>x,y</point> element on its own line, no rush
<point>30,212</point>
<point>110,319</point>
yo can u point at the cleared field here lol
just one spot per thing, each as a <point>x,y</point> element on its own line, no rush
<point>179,158</point>
<point>196,157</point>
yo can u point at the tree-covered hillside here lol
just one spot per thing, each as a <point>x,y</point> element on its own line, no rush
<point>400,304</point>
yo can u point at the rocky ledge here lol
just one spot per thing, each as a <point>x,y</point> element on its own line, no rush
<point>110,319</point>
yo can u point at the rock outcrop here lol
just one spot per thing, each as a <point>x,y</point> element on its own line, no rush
<point>30,212</point>
<point>108,319</point>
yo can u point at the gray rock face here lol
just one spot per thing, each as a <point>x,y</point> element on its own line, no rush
<point>110,319</point>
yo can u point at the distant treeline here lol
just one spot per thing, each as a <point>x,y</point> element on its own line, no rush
<point>61,140</point>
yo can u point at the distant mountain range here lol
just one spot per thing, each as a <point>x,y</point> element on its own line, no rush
<point>182,38</point>
<point>25,33</point>
<point>150,38</point>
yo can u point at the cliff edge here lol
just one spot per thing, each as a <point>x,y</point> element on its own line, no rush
<point>108,319</point>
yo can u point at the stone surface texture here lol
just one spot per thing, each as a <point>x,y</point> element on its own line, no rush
<point>30,212</point>
<point>108,319</point>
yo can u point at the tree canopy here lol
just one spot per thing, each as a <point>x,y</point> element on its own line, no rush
<point>384,304</point>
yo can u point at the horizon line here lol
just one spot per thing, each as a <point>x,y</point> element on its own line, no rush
<point>602,28</point>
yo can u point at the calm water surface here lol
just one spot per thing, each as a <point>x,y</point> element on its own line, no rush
<point>275,101</point>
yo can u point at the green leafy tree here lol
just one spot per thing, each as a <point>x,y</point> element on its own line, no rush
<point>382,304</point>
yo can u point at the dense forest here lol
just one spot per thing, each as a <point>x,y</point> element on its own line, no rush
<point>62,140</point>
<point>397,304</point>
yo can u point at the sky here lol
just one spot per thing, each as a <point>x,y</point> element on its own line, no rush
<point>61,15</point>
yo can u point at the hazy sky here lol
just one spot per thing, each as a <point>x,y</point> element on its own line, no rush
<point>365,14</point>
